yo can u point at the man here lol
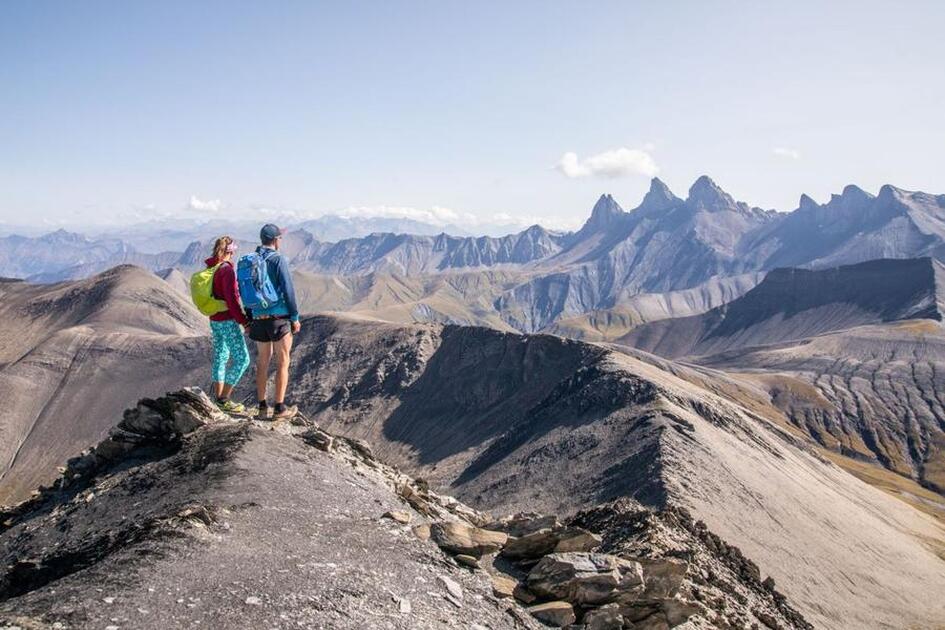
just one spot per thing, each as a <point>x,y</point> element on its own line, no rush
<point>272,327</point>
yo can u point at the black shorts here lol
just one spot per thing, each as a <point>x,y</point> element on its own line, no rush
<point>268,330</point>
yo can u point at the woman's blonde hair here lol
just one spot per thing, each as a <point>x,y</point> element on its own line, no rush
<point>220,246</point>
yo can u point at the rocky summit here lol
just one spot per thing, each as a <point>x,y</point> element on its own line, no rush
<point>184,516</point>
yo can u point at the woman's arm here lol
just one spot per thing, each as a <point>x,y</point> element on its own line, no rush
<point>231,293</point>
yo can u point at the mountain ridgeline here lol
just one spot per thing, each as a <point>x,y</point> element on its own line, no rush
<point>707,243</point>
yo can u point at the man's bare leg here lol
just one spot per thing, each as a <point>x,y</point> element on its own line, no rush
<point>263,356</point>
<point>282,350</point>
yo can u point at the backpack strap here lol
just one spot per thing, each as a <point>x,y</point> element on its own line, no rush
<point>216,268</point>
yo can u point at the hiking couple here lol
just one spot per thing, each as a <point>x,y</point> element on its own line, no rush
<point>253,294</point>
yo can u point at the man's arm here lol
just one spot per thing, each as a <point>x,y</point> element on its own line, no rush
<point>288,289</point>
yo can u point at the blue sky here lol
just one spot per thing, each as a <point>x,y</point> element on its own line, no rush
<point>115,111</point>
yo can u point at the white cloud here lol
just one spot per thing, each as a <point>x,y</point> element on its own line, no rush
<point>785,152</point>
<point>437,215</point>
<point>501,220</point>
<point>495,224</point>
<point>200,205</point>
<point>619,162</point>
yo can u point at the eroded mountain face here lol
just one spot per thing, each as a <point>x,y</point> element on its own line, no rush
<point>852,355</point>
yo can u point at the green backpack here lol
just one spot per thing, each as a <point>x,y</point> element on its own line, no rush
<point>201,292</point>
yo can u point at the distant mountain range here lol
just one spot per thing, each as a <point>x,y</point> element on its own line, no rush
<point>708,244</point>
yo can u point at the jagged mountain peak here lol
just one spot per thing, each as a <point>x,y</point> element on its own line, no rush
<point>852,194</point>
<point>659,196</point>
<point>888,191</point>
<point>606,211</point>
<point>806,202</point>
<point>706,194</point>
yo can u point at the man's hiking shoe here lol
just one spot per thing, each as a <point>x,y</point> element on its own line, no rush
<point>229,406</point>
<point>263,412</point>
<point>285,412</point>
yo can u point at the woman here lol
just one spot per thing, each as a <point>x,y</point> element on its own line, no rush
<point>229,346</point>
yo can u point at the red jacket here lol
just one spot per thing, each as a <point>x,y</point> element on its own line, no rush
<point>226,289</point>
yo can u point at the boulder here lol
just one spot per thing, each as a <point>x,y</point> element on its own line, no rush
<point>579,541</point>
<point>663,576</point>
<point>659,614</point>
<point>460,538</point>
<point>555,614</point>
<point>524,523</point>
<point>606,617</point>
<point>532,545</point>
<point>547,540</point>
<point>587,579</point>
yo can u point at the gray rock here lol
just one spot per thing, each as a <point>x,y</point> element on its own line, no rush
<point>461,538</point>
<point>453,589</point>
<point>606,617</point>
<point>545,541</point>
<point>524,523</point>
<point>555,614</point>
<point>586,578</point>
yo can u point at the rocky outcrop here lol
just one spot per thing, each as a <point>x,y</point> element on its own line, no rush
<point>609,591</point>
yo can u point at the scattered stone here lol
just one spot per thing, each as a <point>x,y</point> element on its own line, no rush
<point>586,578</point>
<point>404,606</point>
<point>253,601</point>
<point>422,531</point>
<point>400,516</point>
<point>469,561</point>
<point>108,600</point>
<point>461,538</point>
<point>319,439</point>
<point>503,586</point>
<point>452,588</point>
<point>556,614</point>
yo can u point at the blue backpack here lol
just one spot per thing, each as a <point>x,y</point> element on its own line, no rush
<point>252,277</point>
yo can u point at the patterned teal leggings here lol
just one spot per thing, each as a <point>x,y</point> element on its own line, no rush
<point>229,346</point>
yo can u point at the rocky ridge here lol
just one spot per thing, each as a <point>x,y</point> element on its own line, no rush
<point>113,510</point>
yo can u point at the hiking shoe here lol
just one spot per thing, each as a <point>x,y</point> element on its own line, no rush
<point>287,411</point>
<point>229,406</point>
<point>263,411</point>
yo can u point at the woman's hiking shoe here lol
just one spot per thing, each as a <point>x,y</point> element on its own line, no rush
<point>283,411</point>
<point>229,406</point>
<point>263,411</point>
